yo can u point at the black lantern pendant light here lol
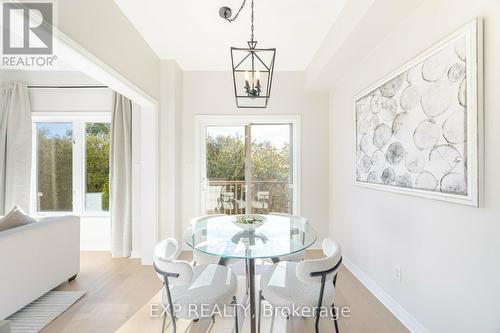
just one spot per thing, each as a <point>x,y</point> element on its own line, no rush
<point>252,68</point>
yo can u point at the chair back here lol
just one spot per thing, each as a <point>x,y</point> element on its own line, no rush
<point>195,220</point>
<point>301,219</point>
<point>263,195</point>
<point>180,271</point>
<point>199,257</point>
<point>308,270</point>
<point>281,214</point>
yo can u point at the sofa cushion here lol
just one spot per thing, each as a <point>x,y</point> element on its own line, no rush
<point>14,219</point>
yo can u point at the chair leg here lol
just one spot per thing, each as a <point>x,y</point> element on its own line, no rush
<point>320,302</point>
<point>316,323</point>
<point>236,314</point>
<point>335,317</point>
<point>260,309</point>
<point>164,322</point>
<point>163,325</point>
<point>170,303</point>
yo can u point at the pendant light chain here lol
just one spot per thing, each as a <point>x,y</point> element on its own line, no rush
<point>237,14</point>
<point>229,19</point>
<point>252,26</point>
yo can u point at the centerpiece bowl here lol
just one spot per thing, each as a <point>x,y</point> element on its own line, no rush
<point>249,222</point>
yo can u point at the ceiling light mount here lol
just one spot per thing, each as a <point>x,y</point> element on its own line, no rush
<point>253,68</point>
<point>225,12</point>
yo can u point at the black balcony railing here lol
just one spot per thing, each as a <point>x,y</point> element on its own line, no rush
<point>230,197</point>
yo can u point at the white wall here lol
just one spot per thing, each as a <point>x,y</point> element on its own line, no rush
<point>211,93</point>
<point>101,28</point>
<point>360,26</point>
<point>449,254</point>
<point>170,119</point>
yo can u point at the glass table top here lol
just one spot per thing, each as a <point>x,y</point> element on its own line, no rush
<point>277,236</point>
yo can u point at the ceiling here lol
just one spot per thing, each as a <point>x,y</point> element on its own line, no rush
<point>192,33</point>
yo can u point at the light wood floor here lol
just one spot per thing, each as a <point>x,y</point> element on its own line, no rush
<point>115,290</point>
<point>120,292</point>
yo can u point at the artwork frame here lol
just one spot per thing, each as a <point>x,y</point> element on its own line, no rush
<point>472,147</point>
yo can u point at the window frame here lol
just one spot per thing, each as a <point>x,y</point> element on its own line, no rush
<point>201,122</point>
<point>78,121</point>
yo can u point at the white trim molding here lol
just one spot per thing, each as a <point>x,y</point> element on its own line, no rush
<point>390,303</point>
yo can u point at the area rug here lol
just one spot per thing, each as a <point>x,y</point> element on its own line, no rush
<point>35,316</point>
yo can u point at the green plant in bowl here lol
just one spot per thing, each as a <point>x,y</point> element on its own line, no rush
<point>248,222</point>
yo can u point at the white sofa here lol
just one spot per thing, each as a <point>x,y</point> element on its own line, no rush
<point>36,258</point>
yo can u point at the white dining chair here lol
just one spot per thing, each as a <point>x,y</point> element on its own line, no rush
<point>309,283</point>
<point>192,292</point>
<point>299,256</point>
<point>202,258</point>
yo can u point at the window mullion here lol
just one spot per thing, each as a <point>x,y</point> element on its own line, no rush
<point>248,168</point>
<point>78,167</point>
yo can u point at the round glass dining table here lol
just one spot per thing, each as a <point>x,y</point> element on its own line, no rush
<point>278,236</point>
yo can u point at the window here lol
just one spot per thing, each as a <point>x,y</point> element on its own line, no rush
<point>97,167</point>
<point>71,169</point>
<point>54,167</point>
<point>248,165</point>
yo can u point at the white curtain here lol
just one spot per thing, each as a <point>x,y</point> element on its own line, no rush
<point>15,148</point>
<point>121,177</point>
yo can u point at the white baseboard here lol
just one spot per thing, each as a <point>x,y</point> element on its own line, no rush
<point>390,303</point>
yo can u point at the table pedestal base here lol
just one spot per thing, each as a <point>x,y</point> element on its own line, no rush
<point>250,266</point>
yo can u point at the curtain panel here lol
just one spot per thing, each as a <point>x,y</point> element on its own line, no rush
<point>121,177</point>
<point>15,148</point>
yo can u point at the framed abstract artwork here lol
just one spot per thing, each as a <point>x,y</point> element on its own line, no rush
<point>418,129</point>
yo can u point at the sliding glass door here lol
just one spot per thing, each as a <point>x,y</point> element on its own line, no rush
<point>270,168</point>
<point>224,181</point>
<point>248,168</point>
